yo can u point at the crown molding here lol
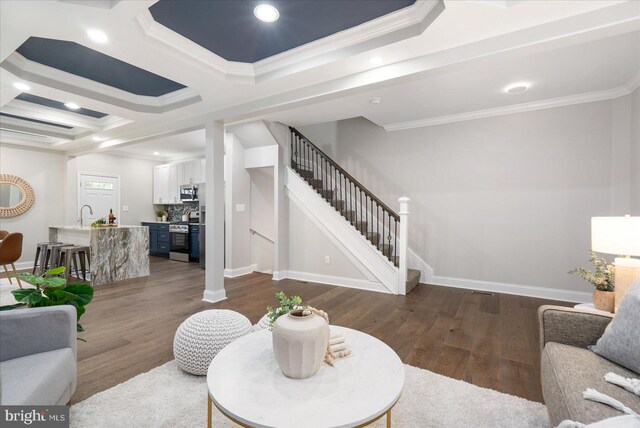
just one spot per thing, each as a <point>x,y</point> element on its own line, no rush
<point>48,76</point>
<point>516,108</point>
<point>390,28</point>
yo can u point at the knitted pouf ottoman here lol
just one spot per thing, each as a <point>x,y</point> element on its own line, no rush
<point>201,336</point>
<point>263,324</point>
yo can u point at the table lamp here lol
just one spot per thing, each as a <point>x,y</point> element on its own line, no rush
<point>620,236</point>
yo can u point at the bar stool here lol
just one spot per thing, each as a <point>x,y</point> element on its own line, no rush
<point>71,255</point>
<point>55,255</point>
<point>42,257</point>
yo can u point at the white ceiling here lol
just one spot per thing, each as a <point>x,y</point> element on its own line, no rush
<point>458,64</point>
<point>597,65</point>
<point>169,148</point>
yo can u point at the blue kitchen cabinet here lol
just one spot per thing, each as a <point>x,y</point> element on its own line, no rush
<point>158,239</point>
<point>194,242</point>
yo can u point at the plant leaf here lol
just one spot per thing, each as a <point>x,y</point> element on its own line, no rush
<point>84,292</point>
<point>55,271</point>
<point>29,296</point>
<point>9,307</point>
<point>55,281</point>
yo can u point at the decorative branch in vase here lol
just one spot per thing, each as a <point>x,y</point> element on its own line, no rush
<point>603,279</point>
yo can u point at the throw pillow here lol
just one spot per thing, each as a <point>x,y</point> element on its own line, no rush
<point>620,342</point>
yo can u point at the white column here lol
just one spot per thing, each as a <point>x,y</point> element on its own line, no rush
<point>281,260</point>
<point>403,244</point>
<point>214,197</point>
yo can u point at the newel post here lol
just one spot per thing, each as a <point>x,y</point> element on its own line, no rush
<point>403,242</point>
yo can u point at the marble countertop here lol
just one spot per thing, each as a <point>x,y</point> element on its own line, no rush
<point>155,221</point>
<point>246,383</point>
<point>89,228</point>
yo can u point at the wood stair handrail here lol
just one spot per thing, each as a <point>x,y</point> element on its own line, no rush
<point>347,175</point>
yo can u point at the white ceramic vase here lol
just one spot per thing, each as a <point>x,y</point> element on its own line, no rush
<point>300,343</point>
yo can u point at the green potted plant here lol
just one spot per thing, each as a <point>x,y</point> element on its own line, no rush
<point>287,304</point>
<point>603,279</point>
<point>51,290</point>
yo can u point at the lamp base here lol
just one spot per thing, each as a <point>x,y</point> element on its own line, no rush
<point>627,271</point>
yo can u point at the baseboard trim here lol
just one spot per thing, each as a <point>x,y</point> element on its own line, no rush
<point>214,296</point>
<point>245,270</point>
<point>360,284</point>
<point>23,265</point>
<point>279,275</point>
<point>518,290</point>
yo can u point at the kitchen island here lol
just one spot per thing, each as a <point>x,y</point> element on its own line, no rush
<point>117,253</point>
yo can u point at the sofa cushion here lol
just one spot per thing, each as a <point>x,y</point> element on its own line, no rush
<point>620,342</point>
<point>567,372</point>
<point>47,378</point>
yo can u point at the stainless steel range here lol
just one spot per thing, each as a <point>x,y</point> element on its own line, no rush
<point>179,241</point>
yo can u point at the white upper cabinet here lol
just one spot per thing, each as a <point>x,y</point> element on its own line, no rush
<point>167,180</point>
<point>174,184</point>
<point>161,185</point>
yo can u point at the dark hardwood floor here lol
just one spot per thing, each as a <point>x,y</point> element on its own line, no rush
<point>488,340</point>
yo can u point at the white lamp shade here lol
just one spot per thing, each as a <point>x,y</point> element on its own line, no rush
<point>616,235</point>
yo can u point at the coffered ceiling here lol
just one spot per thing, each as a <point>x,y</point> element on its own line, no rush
<point>160,71</point>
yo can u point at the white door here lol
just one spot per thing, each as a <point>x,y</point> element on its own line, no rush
<point>101,193</point>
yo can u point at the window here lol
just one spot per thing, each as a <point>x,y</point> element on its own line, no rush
<point>98,185</point>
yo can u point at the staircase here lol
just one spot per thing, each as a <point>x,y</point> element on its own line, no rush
<point>373,219</point>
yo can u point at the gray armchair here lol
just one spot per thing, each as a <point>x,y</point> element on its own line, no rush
<point>568,368</point>
<point>38,354</point>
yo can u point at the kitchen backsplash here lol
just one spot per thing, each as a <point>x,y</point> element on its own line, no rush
<point>175,211</point>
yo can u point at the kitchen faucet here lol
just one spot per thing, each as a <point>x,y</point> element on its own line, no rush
<point>90,212</point>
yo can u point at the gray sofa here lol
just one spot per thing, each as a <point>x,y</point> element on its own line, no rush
<point>568,368</point>
<point>38,355</point>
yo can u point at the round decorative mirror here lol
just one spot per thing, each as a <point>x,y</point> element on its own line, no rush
<point>16,196</point>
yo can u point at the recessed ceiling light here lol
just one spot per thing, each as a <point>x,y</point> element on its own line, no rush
<point>96,138</point>
<point>22,86</point>
<point>376,60</point>
<point>516,88</point>
<point>72,106</point>
<point>97,36</point>
<point>266,13</point>
<point>156,153</point>
<point>375,100</point>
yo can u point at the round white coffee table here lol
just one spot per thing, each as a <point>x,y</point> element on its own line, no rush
<point>247,386</point>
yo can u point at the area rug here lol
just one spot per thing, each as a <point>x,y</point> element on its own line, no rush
<point>6,298</point>
<point>168,397</point>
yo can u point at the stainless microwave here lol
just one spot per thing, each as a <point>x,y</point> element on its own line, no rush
<point>188,193</point>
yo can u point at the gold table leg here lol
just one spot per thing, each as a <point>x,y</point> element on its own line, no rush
<point>389,419</point>
<point>209,410</point>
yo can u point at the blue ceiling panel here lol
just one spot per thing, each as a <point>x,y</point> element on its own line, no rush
<point>229,29</point>
<point>93,65</point>
<point>58,105</point>
<point>28,119</point>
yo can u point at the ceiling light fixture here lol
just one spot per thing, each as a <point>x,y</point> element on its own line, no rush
<point>97,36</point>
<point>96,138</point>
<point>516,88</point>
<point>376,60</point>
<point>156,153</point>
<point>375,100</point>
<point>266,13</point>
<point>22,86</point>
<point>72,106</point>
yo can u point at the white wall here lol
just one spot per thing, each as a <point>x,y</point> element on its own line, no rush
<point>237,192</point>
<point>136,184</point>
<point>262,218</point>
<point>46,173</point>
<point>308,247</point>
<point>324,136</point>
<point>635,152</point>
<point>504,199</point>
